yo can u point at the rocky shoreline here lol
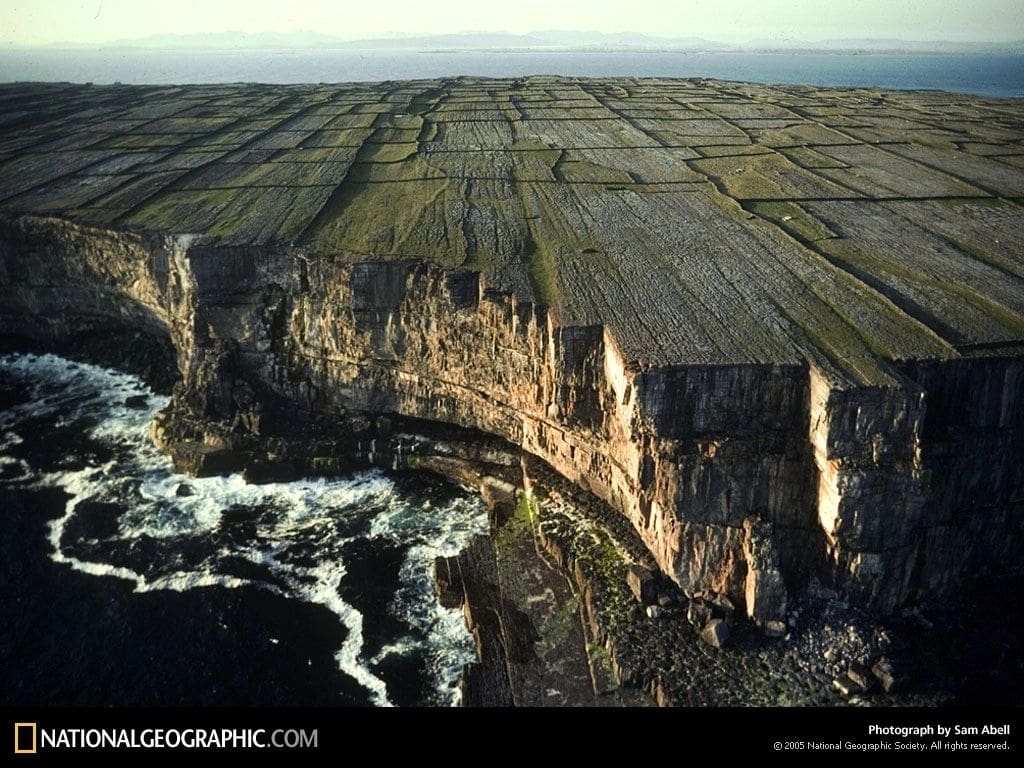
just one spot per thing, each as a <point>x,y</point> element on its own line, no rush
<point>563,599</point>
<point>567,607</point>
<point>652,645</point>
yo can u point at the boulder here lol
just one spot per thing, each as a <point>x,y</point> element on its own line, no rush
<point>764,588</point>
<point>883,671</point>
<point>861,675</point>
<point>261,472</point>
<point>775,628</point>
<point>137,402</point>
<point>642,584</point>
<point>698,613</point>
<point>721,606</point>
<point>448,586</point>
<point>205,460</point>
<point>499,496</point>
<point>847,686</point>
<point>715,633</point>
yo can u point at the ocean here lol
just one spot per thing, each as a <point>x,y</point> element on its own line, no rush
<point>126,583</point>
<point>982,74</point>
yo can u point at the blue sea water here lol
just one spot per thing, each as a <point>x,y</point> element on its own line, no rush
<point>983,74</point>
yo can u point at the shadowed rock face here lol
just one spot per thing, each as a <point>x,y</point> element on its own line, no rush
<point>778,328</point>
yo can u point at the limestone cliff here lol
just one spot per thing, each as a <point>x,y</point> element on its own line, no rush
<point>736,477</point>
<point>733,375</point>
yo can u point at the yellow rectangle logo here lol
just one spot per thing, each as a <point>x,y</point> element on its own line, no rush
<point>22,745</point>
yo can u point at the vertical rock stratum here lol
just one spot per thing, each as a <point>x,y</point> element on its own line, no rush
<point>779,329</point>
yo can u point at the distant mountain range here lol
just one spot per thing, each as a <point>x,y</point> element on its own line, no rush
<point>545,40</point>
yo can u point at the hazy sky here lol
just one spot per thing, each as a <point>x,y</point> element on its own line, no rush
<point>96,21</point>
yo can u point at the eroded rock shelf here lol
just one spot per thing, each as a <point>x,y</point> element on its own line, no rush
<point>780,329</point>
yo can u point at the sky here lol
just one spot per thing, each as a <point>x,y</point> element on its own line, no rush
<point>36,22</point>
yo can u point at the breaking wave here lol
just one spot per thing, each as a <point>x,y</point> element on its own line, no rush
<point>131,516</point>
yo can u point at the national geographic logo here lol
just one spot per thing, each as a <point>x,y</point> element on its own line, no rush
<point>29,738</point>
<point>25,741</point>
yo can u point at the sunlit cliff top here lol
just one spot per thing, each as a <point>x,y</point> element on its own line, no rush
<point>704,222</point>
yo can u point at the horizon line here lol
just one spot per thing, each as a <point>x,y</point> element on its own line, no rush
<point>398,37</point>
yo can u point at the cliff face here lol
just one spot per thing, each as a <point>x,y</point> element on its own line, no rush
<point>740,479</point>
<point>917,485</point>
<point>780,329</point>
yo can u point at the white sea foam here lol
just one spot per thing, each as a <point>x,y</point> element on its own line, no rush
<point>439,533</point>
<point>315,518</point>
<point>15,469</point>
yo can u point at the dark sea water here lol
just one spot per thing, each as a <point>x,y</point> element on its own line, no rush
<point>116,589</point>
<point>984,74</point>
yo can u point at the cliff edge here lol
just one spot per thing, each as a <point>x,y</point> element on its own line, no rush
<point>780,329</point>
